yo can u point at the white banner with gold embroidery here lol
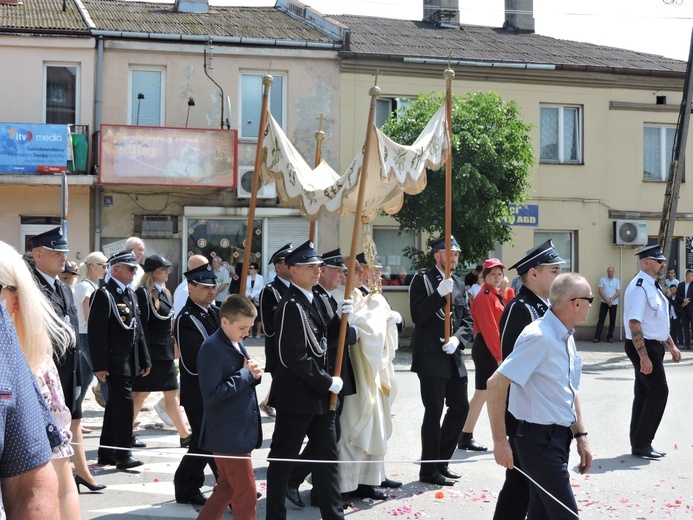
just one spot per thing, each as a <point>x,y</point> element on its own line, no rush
<point>394,169</point>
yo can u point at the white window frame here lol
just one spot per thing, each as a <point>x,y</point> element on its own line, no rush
<point>384,259</point>
<point>578,134</point>
<point>665,155</point>
<point>162,94</point>
<point>242,124</point>
<point>78,87</point>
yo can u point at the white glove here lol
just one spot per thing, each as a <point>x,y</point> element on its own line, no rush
<point>336,385</point>
<point>451,346</point>
<point>397,317</point>
<point>346,307</point>
<point>445,287</point>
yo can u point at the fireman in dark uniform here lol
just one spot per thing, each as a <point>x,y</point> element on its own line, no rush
<point>537,269</point>
<point>440,368</point>
<point>198,320</point>
<point>301,389</point>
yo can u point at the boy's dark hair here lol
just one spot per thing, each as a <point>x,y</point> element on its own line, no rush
<point>235,306</point>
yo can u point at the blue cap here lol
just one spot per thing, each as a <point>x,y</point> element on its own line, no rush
<point>280,253</point>
<point>124,257</point>
<point>53,240</point>
<point>203,275</point>
<point>439,245</point>
<point>334,259</point>
<point>305,254</point>
<point>543,254</point>
<point>654,252</point>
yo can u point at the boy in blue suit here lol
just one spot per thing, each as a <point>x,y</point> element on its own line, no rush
<point>231,421</point>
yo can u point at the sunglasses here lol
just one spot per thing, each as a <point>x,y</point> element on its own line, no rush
<point>587,298</point>
<point>660,262</point>
<point>8,287</point>
<point>131,268</point>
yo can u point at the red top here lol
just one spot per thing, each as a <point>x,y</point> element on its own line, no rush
<point>509,294</point>
<point>487,309</point>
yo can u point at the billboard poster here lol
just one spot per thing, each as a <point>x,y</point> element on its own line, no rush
<point>146,155</point>
<point>33,148</point>
<point>523,215</point>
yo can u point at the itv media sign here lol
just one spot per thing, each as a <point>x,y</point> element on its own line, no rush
<point>32,148</point>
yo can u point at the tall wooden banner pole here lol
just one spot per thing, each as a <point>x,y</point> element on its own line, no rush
<point>374,92</point>
<point>319,136</point>
<point>267,81</point>
<point>449,74</point>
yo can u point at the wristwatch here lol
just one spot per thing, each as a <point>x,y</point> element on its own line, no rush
<point>579,434</point>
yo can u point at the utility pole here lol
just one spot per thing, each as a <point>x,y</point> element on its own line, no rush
<point>671,196</point>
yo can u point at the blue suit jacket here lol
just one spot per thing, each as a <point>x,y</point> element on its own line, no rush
<point>231,421</point>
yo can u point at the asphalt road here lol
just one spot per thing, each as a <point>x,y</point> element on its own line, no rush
<point>618,486</point>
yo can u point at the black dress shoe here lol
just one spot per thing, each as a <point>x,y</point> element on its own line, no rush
<point>185,442</point>
<point>437,479</point>
<point>129,463</point>
<point>447,472</point>
<point>648,452</point>
<point>467,442</point>
<point>197,500</point>
<point>366,491</point>
<point>389,483</point>
<point>136,443</point>
<point>293,496</point>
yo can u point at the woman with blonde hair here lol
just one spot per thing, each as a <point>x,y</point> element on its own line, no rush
<point>90,272</point>
<point>42,334</point>
<point>156,308</point>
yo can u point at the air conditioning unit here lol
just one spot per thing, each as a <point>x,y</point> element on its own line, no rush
<point>630,232</point>
<point>244,185</point>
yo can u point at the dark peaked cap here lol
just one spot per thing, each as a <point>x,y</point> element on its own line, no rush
<point>334,259</point>
<point>305,254</point>
<point>654,252</point>
<point>280,253</point>
<point>124,257</point>
<point>543,254</point>
<point>203,275</point>
<point>53,240</point>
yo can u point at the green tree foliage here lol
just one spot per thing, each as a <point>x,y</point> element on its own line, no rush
<point>492,161</point>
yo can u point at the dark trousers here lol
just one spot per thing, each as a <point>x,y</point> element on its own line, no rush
<point>235,486</point>
<point>603,310</point>
<point>289,432</point>
<point>543,452</point>
<point>649,395</point>
<point>117,418</point>
<point>439,442</point>
<point>676,331</point>
<point>513,499</point>
<point>301,471</point>
<point>686,324</point>
<point>190,475</point>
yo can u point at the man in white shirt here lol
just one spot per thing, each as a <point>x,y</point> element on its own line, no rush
<point>609,290</point>
<point>223,281</point>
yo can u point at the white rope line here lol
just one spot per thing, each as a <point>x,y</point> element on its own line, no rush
<point>549,494</point>
<point>161,452</point>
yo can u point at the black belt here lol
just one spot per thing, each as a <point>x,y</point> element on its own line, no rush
<point>553,428</point>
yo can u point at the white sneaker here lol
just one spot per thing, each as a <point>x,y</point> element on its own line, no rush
<point>162,413</point>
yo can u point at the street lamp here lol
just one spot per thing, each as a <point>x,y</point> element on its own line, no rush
<point>191,103</point>
<point>140,97</point>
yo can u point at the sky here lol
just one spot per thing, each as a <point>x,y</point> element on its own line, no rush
<point>661,27</point>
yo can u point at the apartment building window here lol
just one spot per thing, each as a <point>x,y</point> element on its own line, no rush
<point>397,269</point>
<point>60,94</point>
<point>146,99</point>
<point>386,106</point>
<point>560,134</point>
<point>658,152</point>
<point>564,243</point>
<point>251,102</point>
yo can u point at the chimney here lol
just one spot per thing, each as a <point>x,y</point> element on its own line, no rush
<point>519,15</point>
<point>442,12</point>
<point>191,6</point>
